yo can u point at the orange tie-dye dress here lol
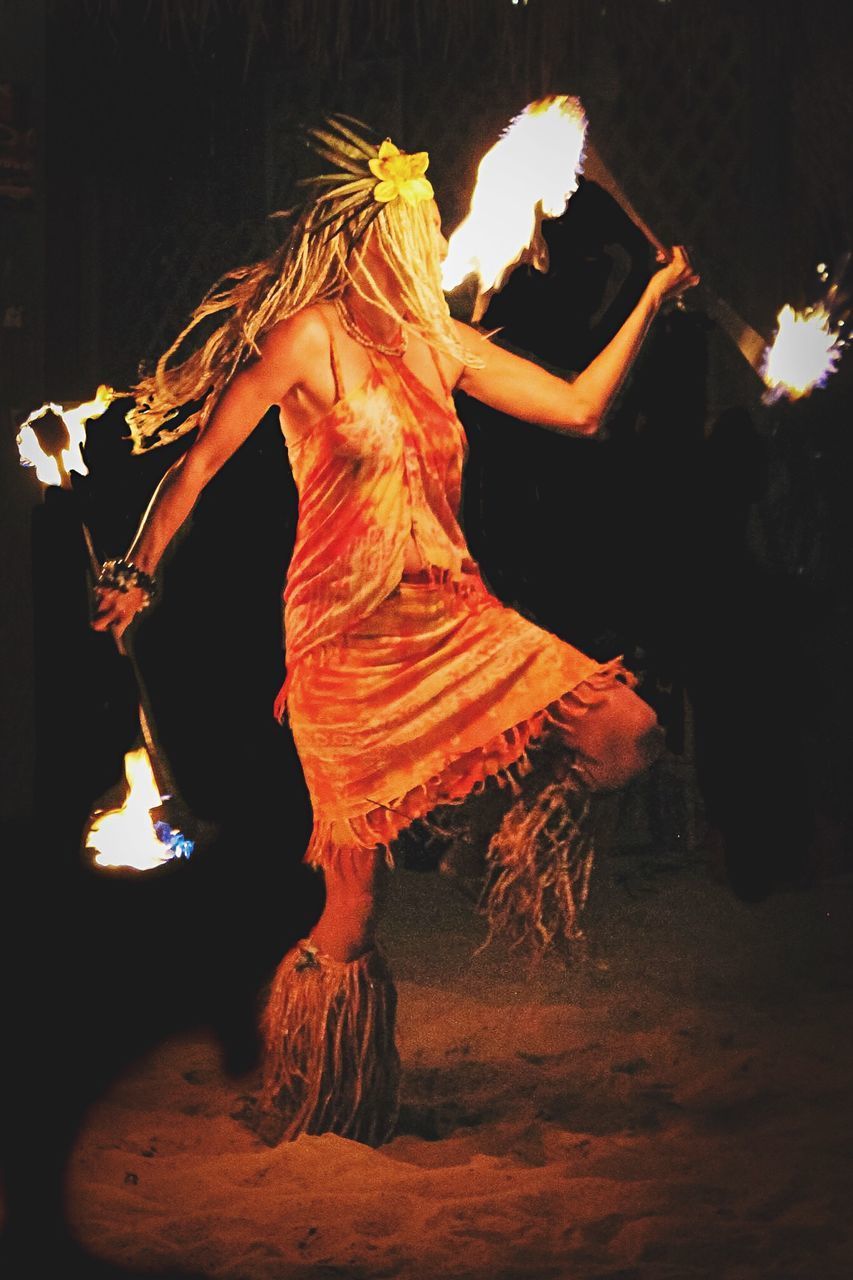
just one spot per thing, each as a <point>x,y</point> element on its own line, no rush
<point>405,690</point>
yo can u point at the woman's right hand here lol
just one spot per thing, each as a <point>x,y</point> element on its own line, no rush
<point>675,276</point>
<point>117,609</point>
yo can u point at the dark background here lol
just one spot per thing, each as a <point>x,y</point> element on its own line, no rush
<point>714,551</point>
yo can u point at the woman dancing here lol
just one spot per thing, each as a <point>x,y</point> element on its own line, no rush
<point>409,686</point>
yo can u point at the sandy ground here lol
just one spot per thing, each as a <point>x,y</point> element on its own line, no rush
<point>678,1107</point>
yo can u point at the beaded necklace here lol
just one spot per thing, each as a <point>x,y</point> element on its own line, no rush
<point>351,326</point>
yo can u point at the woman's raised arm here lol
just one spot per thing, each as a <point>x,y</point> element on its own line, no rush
<point>521,388</point>
<point>286,351</point>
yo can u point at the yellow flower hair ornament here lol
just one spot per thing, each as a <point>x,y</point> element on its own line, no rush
<point>349,198</point>
<point>400,174</point>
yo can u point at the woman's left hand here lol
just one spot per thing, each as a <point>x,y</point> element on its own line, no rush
<point>675,277</point>
<point>117,609</point>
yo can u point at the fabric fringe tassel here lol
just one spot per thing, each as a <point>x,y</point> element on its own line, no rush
<point>331,1063</point>
<point>505,761</point>
<point>538,868</point>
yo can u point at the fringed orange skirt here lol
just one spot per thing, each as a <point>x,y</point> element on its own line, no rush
<point>439,689</point>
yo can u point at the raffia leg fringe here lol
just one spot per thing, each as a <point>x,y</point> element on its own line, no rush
<point>539,863</point>
<point>331,1063</point>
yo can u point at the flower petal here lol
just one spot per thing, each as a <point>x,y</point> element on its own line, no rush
<point>416,189</point>
<point>418,163</point>
<point>385,191</point>
<point>376,166</point>
<point>399,168</point>
<point>387,149</point>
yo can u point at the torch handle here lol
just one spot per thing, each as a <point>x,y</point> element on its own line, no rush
<point>747,340</point>
<point>95,566</point>
<point>159,764</point>
<point>597,171</point>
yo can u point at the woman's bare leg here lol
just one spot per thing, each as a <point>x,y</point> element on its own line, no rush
<point>540,858</point>
<point>331,1005</point>
<point>615,740</point>
<point>354,887</point>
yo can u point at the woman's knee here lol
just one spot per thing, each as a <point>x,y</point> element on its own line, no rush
<point>650,744</point>
<point>625,740</point>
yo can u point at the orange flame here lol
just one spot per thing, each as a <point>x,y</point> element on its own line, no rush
<point>803,354</point>
<point>126,837</point>
<point>531,171</point>
<point>49,469</point>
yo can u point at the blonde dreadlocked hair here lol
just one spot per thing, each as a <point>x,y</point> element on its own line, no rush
<point>310,266</point>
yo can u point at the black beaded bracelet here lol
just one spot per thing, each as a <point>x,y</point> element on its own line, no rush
<point>122,575</point>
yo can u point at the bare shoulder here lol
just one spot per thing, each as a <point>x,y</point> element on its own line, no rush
<point>471,342</point>
<point>471,377</point>
<point>299,340</point>
<point>469,337</point>
<point>289,352</point>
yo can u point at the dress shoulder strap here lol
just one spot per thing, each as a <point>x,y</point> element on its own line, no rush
<point>333,358</point>
<point>448,391</point>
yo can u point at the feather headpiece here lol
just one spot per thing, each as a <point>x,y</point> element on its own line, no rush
<point>368,177</point>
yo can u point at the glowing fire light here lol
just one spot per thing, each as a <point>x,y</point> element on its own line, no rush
<point>49,469</point>
<point>531,171</point>
<point>804,353</point>
<point>129,836</point>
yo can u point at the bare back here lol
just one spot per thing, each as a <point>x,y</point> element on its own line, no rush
<point>344,366</point>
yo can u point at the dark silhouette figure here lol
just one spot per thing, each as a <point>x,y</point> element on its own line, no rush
<point>640,544</point>
<point>743,642</point>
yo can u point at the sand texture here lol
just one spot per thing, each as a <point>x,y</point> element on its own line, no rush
<point>678,1107</point>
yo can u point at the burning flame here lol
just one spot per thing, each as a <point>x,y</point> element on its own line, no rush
<point>129,836</point>
<point>804,353</point>
<point>48,469</point>
<point>531,171</point>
